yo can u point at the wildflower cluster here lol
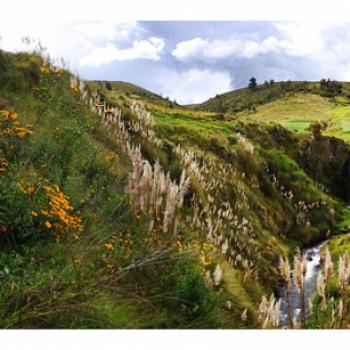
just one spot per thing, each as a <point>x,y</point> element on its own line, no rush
<point>47,69</point>
<point>10,125</point>
<point>51,208</point>
<point>59,215</point>
<point>124,243</point>
<point>12,134</point>
<point>118,250</point>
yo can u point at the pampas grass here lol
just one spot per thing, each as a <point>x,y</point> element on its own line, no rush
<point>299,272</point>
<point>269,312</point>
<point>343,282</point>
<point>285,271</point>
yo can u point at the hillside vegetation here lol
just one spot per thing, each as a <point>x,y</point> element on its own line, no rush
<point>119,209</point>
<point>248,99</point>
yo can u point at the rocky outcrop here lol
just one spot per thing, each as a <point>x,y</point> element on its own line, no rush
<point>326,160</point>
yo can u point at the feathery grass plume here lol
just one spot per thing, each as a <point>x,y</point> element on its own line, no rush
<point>344,269</point>
<point>285,270</point>
<point>244,315</point>
<point>333,321</point>
<point>328,265</point>
<point>343,281</point>
<point>269,312</point>
<point>299,272</point>
<point>217,275</point>
<point>144,123</point>
<point>321,289</point>
<point>232,234</point>
<point>208,280</point>
<point>340,309</point>
<point>151,191</point>
<point>245,143</point>
<point>248,272</point>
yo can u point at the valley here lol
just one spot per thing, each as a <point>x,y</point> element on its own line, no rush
<point>136,212</point>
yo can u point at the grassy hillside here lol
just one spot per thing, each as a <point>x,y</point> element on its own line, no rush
<point>248,100</point>
<point>131,90</point>
<point>297,112</point>
<point>120,210</point>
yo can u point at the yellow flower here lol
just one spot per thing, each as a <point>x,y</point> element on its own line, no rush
<point>109,246</point>
<point>34,213</point>
<point>48,224</point>
<point>5,113</point>
<point>14,116</point>
<point>44,70</point>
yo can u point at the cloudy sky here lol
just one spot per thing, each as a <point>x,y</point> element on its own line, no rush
<point>191,61</point>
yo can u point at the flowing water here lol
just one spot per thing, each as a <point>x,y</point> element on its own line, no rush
<point>313,267</point>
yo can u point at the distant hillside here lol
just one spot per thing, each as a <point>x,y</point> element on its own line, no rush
<point>130,90</point>
<point>247,99</point>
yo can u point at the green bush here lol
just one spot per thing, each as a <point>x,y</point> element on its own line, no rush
<point>194,298</point>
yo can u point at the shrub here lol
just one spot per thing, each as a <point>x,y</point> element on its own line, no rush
<point>194,298</point>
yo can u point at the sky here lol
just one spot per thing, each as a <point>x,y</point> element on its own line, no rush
<point>191,61</point>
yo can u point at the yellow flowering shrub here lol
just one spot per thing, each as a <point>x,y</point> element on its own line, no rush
<point>51,69</point>
<point>201,249</point>
<point>52,209</point>
<point>10,126</point>
<point>75,88</point>
<point>60,213</point>
<point>12,133</point>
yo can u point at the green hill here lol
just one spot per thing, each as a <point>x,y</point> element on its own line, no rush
<point>121,210</point>
<point>130,90</point>
<point>248,100</point>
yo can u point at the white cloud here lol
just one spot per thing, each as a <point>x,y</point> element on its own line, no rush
<point>325,44</point>
<point>215,50</point>
<point>147,49</point>
<point>194,85</point>
<point>303,38</point>
<point>324,47</point>
<point>251,48</point>
<point>95,32</point>
<point>189,48</point>
<point>74,40</point>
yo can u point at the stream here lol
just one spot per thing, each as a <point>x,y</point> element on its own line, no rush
<point>313,267</point>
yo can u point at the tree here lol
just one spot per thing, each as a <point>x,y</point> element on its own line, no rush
<point>252,84</point>
<point>272,82</point>
<point>108,86</point>
<point>330,88</point>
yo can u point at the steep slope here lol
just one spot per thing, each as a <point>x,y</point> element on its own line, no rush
<point>122,211</point>
<point>266,192</point>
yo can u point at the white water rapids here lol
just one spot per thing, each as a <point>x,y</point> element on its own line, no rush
<point>313,267</point>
